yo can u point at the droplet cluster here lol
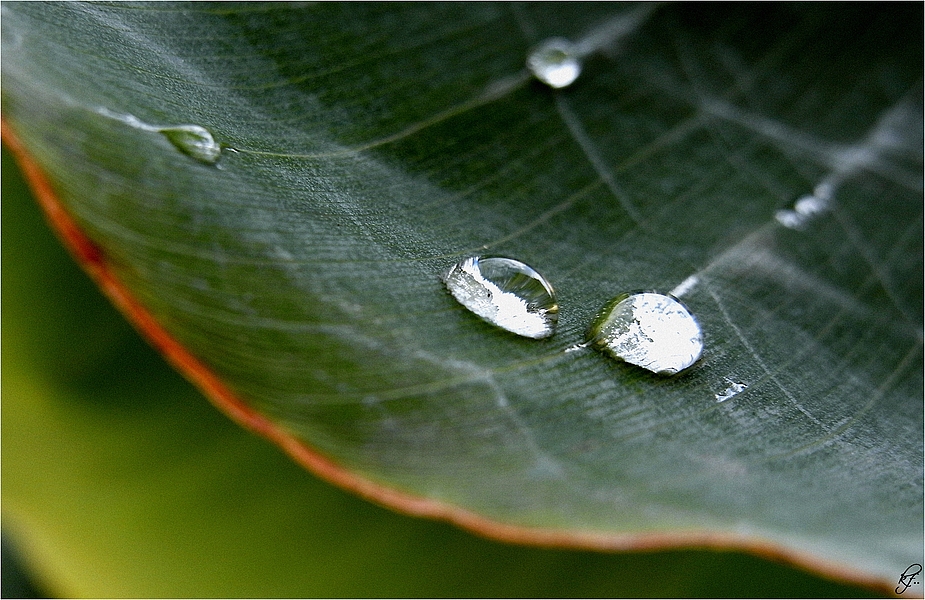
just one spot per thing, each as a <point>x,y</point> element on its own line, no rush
<point>805,209</point>
<point>649,330</point>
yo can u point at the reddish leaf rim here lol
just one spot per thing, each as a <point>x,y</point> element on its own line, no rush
<point>93,261</point>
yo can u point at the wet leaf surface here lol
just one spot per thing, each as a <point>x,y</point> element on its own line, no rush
<point>762,163</point>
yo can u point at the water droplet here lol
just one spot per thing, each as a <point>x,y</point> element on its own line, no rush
<point>790,219</point>
<point>804,209</point>
<point>505,292</point>
<point>810,206</point>
<point>555,62</point>
<point>824,191</point>
<point>653,331</point>
<point>733,389</point>
<point>194,141</point>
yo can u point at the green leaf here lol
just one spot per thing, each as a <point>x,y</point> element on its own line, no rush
<point>119,480</point>
<point>368,147</point>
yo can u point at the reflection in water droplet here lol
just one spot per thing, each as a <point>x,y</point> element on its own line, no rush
<point>733,389</point>
<point>506,293</point>
<point>555,62</point>
<point>194,141</point>
<point>653,331</point>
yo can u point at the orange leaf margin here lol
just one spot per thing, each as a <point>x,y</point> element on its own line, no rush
<point>93,261</point>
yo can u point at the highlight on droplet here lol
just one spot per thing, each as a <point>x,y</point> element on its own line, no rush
<point>506,293</point>
<point>649,330</point>
<point>555,62</point>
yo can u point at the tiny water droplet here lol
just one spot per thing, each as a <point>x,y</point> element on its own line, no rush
<point>824,191</point>
<point>804,209</point>
<point>790,219</point>
<point>733,389</point>
<point>506,293</point>
<point>555,62</point>
<point>810,206</point>
<point>194,141</point>
<point>649,330</point>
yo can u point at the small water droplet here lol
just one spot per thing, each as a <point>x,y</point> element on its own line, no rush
<point>575,348</point>
<point>804,209</point>
<point>733,389</point>
<point>824,191</point>
<point>194,141</point>
<point>790,219</point>
<point>653,331</point>
<point>810,206</point>
<point>505,292</point>
<point>555,62</point>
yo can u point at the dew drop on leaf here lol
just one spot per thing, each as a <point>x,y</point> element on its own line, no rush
<point>804,210</point>
<point>555,62</point>
<point>733,389</point>
<point>653,331</point>
<point>506,293</point>
<point>809,206</point>
<point>194,141</point>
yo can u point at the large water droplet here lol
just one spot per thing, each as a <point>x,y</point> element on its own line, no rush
<point>194,141</point>
<point>555,62</point>
<point>653,331</point>
<point>507,293</point>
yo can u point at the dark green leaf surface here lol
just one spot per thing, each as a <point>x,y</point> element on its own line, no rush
<point>368,147</point>
<point>120,480</point>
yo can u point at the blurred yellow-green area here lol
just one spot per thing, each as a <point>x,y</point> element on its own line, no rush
<point>120,479</point>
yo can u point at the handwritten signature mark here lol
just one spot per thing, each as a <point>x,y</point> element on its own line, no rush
<point>908,577</point>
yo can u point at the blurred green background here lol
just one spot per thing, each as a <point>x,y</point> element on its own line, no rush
<point>120,479</point>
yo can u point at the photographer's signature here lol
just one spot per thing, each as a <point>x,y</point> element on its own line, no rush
<point>908,577</point>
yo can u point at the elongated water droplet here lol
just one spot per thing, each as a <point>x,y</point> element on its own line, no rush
<point>555,62</point>
<point>194,141</point>
<point>505,292</point>
<point>653,331</point>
